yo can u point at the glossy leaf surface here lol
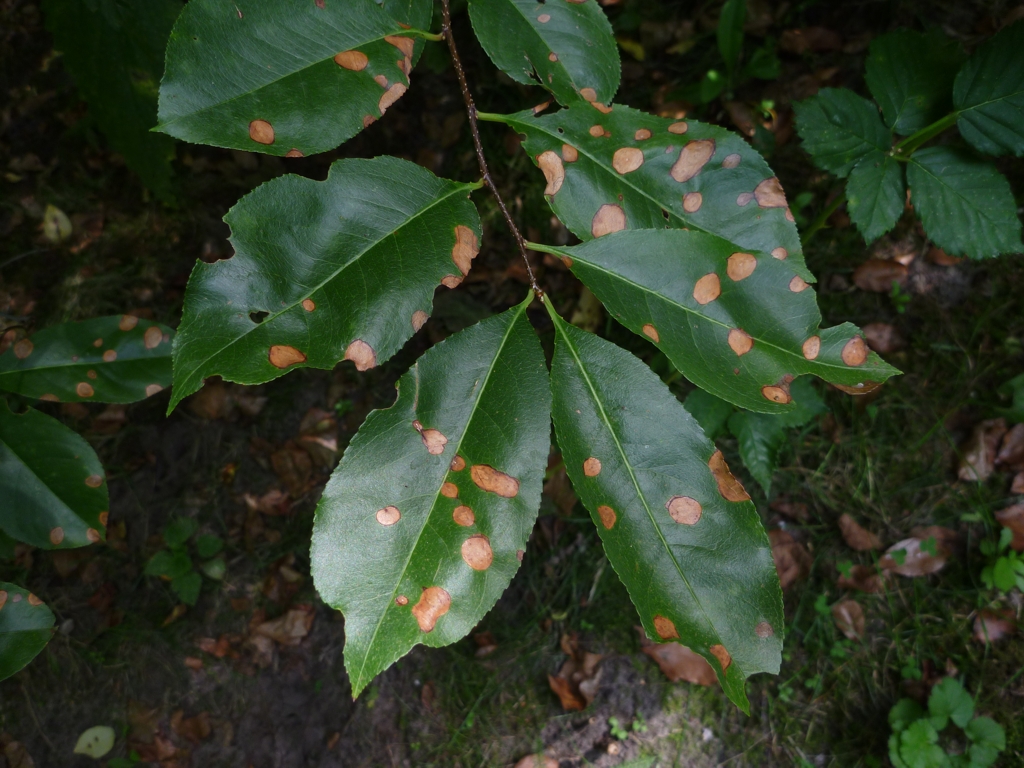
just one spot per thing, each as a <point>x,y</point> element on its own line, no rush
<point>51,482</point>
<point>650,172</point>
<point>989,94</point>
<point>876,194</point>
<point>424,522</point>
<point>965,204</point>
<point>741,325</point>
<point>26,625</point>
<point>677,527</point>
<point>348,271</point>
<point>118,359</point>
<point>911,75</point>
<point>567,47</point>
<point>839,129</point>
<point>292,76</point>
<point>415,14</point>
<point>114,50</point>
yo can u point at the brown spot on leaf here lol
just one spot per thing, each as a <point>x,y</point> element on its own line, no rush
<point>707,289</point>
<point>678,128</point>
<point>33,600</point>
<point>741,266</point>
<point>451,281</point>
<point>684,510</point>
<point>294,153</point>
<point>458,464</point>
<point>665,628</point>
<point>694,156</point>
<point>544,18</point>
<point>466,247</point>
<point>740,341</point>
<point>652,333</point>
<point>50,398</point>
<point>719,652</point>
<point>282,356</point>
<point>153,337</point>
<point>94,481</point>
<point>731,161</point>
<point>596,131</point>
<point>388,515</point>
<point>419,318</point>
<point>368,120</point>
<point>353,60</point>
<point>490,479</point>
<point>404,44</point>
<point>401,600</point>
<point>308,304</point>
<point>780,253</point>
<point>128,322</point>
<point>609,218</point>
<point>570,153</point>
<point>476,551</point>
<point>261,132</point>
<point>84,389</point>
<point>692,201</point>
<point>3,597</point>
<point>152,389</point>
<point>812,347</point>
<point>789,215</point>
<point>362,354</point>
<point>798,284</point>
<point>110,356</point>
<point>730,488</point>
<point>589,94</point>
<point>391,95</point>
<point>607,515</point>
<point>56,536</point>
<point>777,393</point>
<point>552,56</point>
<point>567,261</point>
<point>92,535</point>
<point>592,467</point>
<point>434,603</point>
<point>451,490</point>
<point>744,198</point>
<point>642,135</point>
<point>855,352</point>
<point>91,374</point>
<point>104,516</point>
<point>763,630</point>
<point>551,164</point>
<point>23,348</point>
<point>520,554</point>
<point>627,159</point>
<point>381,80</point>
<point>463,515</point>
<point>769,193</point>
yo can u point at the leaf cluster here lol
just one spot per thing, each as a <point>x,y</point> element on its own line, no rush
<point>175,563</point>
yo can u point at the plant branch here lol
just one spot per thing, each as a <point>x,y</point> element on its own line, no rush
<point>481,160</point>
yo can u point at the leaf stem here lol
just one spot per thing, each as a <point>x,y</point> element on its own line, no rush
<point>446,31</point>
<point>905,148</point>
<point>821,218</point>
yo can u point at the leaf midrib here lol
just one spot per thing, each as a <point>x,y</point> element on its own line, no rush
<point>41,483</point>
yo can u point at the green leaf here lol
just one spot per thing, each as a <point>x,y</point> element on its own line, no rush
<point>839,129</point>
<point>911,75</point>
<point>292,77</point>
<point>728,189</point>
<point>989,739</point>
<point>51,482</point>
<point>965,204</point>
<point>989,94</point>
<point>904,713</point>
<point>760,437</point>
<point>170,564</point>
<point>179,531</point>
<point>114,50</point>
<point>215,568</point>
<point>949,701</point>
<point>764,64</point>
<point>740,325</point>
<point>894,751</point>
<point>118,359</point>
<point>674,522</point>
<point>730,34</point>
<point>919,747</point>
<point>208,545</point>
<point>712,413</point>
<point>26,625</point>
<point>567,47</point>
<point>347,272</point>
<point>187,587</point>
<point>1003,576</point>
<point>423,522</point>
<point>876,194</point>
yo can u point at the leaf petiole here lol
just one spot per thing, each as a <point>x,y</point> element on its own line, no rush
<point>905,148</point>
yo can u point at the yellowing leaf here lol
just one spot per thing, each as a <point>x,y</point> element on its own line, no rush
<point>95,742</point>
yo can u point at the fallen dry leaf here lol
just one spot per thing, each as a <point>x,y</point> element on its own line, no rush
<point>863,578</point>
<point>1011,452</point>
<point>289,629</point>
<point>559,490</point>
<point>294,466</point>
<point>318,435</point>
<point>992,626</point>
<point>979,452</point>
<point>883,338</point>
<point>1017,486</point>
<point>274,502</point>
<point>938,256</point>
<point>142,721</point>
<point>537,761</point>
<point>485,644</point>
<point>849,619</point>
<point>816,39</point>
<point>792,560</point>
<point>195,729</point>
<point>678,662</point>
<point>794,510</point>
<point>1013,518</point>
<point>856,536</point>
<point>577,681</point>
<point>176,613</point>
<point>878,275</point>
<point>17,756</point>
<point>915,561</point>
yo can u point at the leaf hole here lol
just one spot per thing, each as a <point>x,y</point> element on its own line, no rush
<point>561,130</point>
<point>258,317</point>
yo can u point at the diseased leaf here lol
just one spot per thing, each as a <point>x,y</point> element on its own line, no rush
<point>630,170</point>
<point>422,525</point>
<point>293,77</point>
<point>674,521</point>
<point>911,75</point>
<point>51,482</point>
<point>741,325</point>
<point>965,204</point>
<point>876,194</point>
<point>347,272</point>
<point>114,50</point>
<point>839,129</point>
<point>415,14</point>
<point>118,359</point>
<point>989,94</point>
<point>26,625</point>
<point>566,47</point>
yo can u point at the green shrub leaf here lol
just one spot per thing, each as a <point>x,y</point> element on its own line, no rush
<point>712,413</point>
<point>903,713</point>
<point>673,520</point>
<point>760,437</point>
<point>424,521</point>
<point>347,272</point>
<point>965,204</point>
<point>989,94</point>
<point>114,50</point>
<point>26,625</point>
<point>118,359</point>
<point>919,747</point>
<point>51,482</point>
<point>740,325</point>
<point>911,75</point>
<point>949,701</point>
<point>567,47</point>
<point>876,194</point>
<point>650,172</point>
<point>988,740</point>
<point>839,129</point>
<point>293,78</point>
<point>730,34</point>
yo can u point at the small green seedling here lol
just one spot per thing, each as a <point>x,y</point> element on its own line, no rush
<point>175,564</point>
<point>1006,567</point>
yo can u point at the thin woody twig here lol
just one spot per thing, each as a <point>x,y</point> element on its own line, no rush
<point>481,160</point>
